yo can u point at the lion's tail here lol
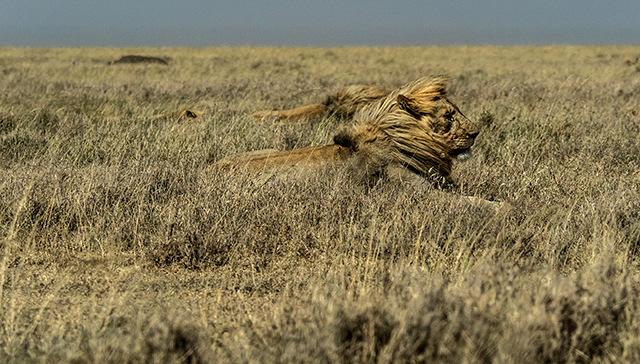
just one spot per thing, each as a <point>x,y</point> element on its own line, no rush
<point>299,114</point>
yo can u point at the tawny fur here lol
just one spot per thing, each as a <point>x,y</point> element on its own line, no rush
<point>270,159</point>
<point>300,114</point>
<point>345,103</point>
<point>415,127</point>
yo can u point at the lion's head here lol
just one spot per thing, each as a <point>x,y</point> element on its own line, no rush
<point>416,126</point>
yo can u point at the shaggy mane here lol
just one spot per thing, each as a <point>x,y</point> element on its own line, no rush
<point>405,132</point>
<point>348,100</point>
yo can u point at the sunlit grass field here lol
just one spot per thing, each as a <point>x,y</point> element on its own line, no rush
<point>116,247</point>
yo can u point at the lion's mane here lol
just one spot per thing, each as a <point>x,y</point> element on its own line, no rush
<point>400,126</point>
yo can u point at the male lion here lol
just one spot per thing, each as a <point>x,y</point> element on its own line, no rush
<point>410,136</point>
<point>413,131</point>
<point>345,103</point>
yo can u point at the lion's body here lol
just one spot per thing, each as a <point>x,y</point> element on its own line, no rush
<point>270,159</point>
<point>345,103</point>
<point>415,127</point>
<point>304,113</point>
<point>351,99</point>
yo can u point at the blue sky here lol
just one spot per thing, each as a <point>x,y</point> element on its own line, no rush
<point>316,23</point>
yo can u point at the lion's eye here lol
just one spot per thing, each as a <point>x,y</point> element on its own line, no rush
<point>446,122</point>
<point>449,115</point>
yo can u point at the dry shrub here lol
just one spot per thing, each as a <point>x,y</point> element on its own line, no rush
<point>155,338</point>
<point>499,314</point>
<point>139,59</point>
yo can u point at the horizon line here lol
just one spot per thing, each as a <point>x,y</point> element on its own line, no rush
<point>210,36</point>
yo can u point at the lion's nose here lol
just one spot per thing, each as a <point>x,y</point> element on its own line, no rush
<point>473,134</point>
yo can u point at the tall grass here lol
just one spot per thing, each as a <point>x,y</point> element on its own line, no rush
<point>119,244</point>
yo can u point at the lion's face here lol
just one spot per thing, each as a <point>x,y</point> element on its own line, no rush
<point>444,120</point>
<point>454,129</point>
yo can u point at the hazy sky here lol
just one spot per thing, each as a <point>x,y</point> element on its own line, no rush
<point>327,22</point>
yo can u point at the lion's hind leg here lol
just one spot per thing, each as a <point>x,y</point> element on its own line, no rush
<point>303,113</point>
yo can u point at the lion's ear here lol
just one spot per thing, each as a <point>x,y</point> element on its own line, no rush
<point>409,106</point>
<point>345,139</point>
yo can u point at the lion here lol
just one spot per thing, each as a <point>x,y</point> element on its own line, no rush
<point>411,136</point>
<point>345,103</point>
<point>414,130</point>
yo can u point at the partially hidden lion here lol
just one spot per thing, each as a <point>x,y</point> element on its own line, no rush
<point>345,103</point>
<point>411,135</point>
<point>414,128</point>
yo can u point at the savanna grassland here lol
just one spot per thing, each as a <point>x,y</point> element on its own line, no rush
<point>117,248</point>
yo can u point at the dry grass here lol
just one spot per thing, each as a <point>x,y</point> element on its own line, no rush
<point>117,248</point>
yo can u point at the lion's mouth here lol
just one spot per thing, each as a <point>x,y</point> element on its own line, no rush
<point>463,154</point>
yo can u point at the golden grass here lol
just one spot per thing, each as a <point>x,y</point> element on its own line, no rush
<point>116,247</point>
